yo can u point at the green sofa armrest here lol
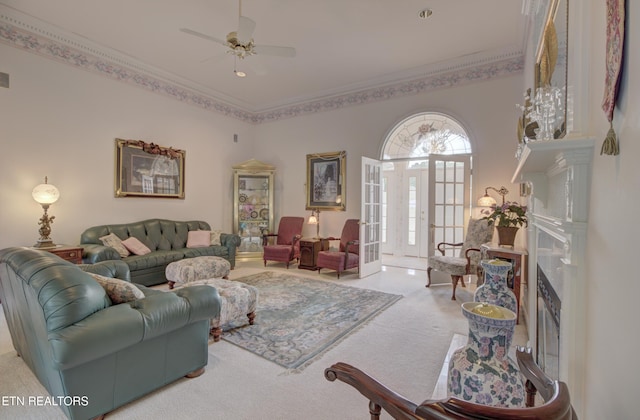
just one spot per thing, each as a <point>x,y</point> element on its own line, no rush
<point>116,269</point>
<point>200,299</point>
<point>94,253</point>
<point>230,240</point>
<point>120,326</point>
<point>172,310</point>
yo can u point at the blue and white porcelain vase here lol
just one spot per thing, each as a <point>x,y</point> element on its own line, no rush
<point>494,290</point>
<point>482,372</point>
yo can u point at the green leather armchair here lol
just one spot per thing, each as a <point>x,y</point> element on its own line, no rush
<point>101,355</point>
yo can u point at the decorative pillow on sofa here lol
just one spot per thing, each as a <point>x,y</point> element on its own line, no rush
<point>198,238</point>
<point>119,291</point>
<point>115,242</point>
<point>134,245</point>
<point>215,237</point>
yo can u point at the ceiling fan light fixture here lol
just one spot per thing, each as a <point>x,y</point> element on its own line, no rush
<point>425,13</point>
<point>237,72</point>
<point>240,43</point>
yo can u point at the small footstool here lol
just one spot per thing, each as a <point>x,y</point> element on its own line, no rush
<point>197,268</point>
<point>239,302</point>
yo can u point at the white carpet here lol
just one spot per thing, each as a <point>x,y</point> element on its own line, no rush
<point>403,347</point>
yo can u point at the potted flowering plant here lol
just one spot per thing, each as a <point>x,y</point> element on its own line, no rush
<point>510,214</point>
<point>507,218</point>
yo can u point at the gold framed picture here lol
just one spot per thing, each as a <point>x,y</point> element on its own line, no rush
<point>326,180</point>
<point>148,170</point>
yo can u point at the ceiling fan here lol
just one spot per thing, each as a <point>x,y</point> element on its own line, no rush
<point>240,42</point>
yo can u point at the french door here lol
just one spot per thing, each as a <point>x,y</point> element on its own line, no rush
<point>415,224</point>
<point>370,217</point>
<point>449,194</point>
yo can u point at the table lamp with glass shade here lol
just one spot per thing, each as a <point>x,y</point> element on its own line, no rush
<point>45,194</point>
<point>487,201</point>
<point>314,219</point>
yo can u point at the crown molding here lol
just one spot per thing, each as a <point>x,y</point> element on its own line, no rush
<point>413,87</point>
<point>32,35</point>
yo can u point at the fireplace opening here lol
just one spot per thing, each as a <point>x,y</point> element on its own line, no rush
<point>548,328</point>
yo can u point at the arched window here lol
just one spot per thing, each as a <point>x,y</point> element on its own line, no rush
<point>421,135</point>
<point>429,151</point>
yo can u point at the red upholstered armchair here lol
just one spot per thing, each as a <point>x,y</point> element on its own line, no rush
<point>347,255</point>
<point>287,246</point>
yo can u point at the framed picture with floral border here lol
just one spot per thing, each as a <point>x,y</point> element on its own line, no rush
<point>148,170</point>
<point>326,181</point>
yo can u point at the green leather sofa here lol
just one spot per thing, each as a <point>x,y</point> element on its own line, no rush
<point>167,240</point>
<point>91,355</point>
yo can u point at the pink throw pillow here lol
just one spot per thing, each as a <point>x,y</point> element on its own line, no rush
<point>135,246</point>
<point>198,238</point>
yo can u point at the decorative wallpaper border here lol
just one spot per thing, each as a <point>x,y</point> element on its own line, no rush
<point>37,44</point>
<point>96,62</point>
<point>414,87</point>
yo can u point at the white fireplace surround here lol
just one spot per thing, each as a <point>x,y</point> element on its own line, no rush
<point>559,173</point>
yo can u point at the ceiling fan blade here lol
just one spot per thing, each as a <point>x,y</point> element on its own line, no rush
<point>274,50</point>
<point>246,27</point>
<point>203,36</point>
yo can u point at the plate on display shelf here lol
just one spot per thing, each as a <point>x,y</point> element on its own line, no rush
<point>264,214</point>
<point>242,198</point>
<point>254,214</point>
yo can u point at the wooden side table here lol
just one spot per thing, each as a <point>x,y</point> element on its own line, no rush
<point>309,248</point>
<point>518,259</point>
<point>70,253</point>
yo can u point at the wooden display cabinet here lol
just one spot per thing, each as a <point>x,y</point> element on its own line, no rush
<point>252,206</point>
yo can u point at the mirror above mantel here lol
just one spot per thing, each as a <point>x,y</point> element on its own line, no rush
<point>548,118</point>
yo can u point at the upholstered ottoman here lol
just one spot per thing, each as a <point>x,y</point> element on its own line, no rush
<point>238,307</point>
<point>197,268</point>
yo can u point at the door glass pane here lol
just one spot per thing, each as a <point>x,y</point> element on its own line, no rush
<point>439,194</point>
<point>448,216</point>
<point>450,173</point>
<point>439,172</point>
<point>439,215</point>
<point>384,209</point>
<point>412,211</point>
<point>459,194</point>
<point>460,171</point>
<point>450,196</point>
<point>459,217</point>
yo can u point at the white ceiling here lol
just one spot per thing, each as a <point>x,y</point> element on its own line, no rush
<point>342,45</point>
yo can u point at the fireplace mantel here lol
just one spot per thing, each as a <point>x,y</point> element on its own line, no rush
<point>559,173</point>
<point>541,160</point>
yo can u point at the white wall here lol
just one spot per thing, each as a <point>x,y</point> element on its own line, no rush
<point>612,285</point>
<point>61,122</point>
<point>486,109</point>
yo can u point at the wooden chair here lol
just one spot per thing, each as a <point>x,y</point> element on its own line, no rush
<point>556,406</point>
<point>478,232</point>
<point>347,256</point>
<point>287,246</point>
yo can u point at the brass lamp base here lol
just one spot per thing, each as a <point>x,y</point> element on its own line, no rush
<point>45,230</point>
<point>45,244</point>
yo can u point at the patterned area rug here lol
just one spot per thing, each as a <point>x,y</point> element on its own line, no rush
<point>299,318</point>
